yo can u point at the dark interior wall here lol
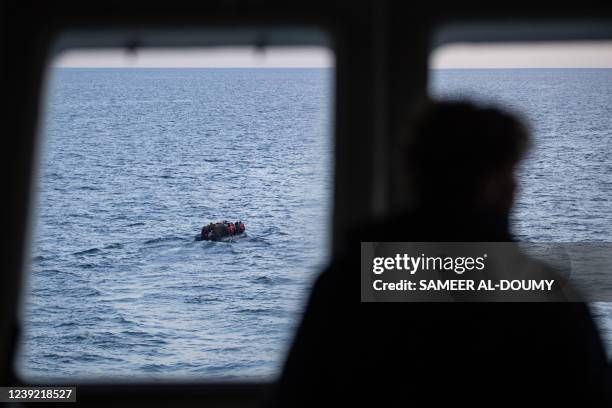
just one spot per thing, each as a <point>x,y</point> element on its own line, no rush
<point>381,73</point>
<point>21,54</point>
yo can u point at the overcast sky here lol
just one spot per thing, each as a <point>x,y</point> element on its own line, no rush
<point>509,55</point>
<point>516,55</point>
<point>237,57</point>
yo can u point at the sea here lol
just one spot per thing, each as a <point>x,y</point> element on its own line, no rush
<point>133,162</point>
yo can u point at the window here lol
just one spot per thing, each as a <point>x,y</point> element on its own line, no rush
<point>563,90</point>
<point>138,151</point>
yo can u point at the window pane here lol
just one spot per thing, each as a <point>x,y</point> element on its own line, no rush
<point>134,162</point>
<point>564,92</point>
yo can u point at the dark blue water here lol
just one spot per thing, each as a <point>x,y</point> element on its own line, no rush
<point>566,182</point>
<point>134,162</point>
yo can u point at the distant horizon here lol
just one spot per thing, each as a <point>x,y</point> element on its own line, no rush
<point>102,67</point>
<point>433,69</point>
<point>536,55</point>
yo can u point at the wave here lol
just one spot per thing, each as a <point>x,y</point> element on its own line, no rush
<point>258,311</point>
<point>121,320</point>
<point>116,245</point>
<point>137,333</point>
<point>262,279</point>
<point>86,266</point>
<point>41,258</point>
<point>85,292</point>
<point>202,299</point>
<point>87,251</point>
<point>51,272</point>
<point>67,324</point>
<point>163,239</point>
<point>261,240</point>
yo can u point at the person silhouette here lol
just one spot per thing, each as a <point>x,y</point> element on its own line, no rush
<point>460,161</point>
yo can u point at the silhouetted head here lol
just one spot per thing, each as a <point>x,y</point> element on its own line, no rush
<point>462,155</point>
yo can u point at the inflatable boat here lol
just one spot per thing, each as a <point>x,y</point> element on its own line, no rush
<point>222,231</point>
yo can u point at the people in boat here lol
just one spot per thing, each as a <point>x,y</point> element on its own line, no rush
<point>219,230</point>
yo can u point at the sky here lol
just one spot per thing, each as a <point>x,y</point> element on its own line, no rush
<point>516,55</point>
<point>236,57</point>
<point>460,55</point>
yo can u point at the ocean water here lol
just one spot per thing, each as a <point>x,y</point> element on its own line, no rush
<point>133,163</point>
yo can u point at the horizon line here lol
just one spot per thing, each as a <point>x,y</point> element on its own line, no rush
<point>186,67</point>
<point>307,67</point>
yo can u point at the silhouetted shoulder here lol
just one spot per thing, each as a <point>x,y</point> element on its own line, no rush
<point>439,353</point>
